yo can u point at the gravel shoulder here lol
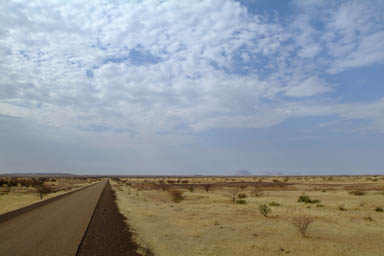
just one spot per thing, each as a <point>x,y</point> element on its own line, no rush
<point>107,233</point>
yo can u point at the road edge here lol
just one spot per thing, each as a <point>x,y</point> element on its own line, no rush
<point>14,213</point>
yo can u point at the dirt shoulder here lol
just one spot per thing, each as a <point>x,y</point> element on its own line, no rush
<point>107,233</point>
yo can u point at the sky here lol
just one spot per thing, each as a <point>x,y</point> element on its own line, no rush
<point>192,87</point>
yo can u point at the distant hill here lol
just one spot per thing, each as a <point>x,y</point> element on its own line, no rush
<point>37,174</point>
<point>273,174</point>
<point>243,173</point>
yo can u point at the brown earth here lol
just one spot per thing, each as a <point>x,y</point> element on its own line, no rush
<point>107,233</point>
<point>52,229</point>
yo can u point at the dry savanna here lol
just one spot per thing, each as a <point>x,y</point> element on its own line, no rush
<point>322,215</point>
<point>18,192</point>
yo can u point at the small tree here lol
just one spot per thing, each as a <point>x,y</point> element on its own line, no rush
<point>40,187</point>
<point>43,190</point>
<point>265,210</point>
<point>233,192</point>
<point>303,223</point>
<point>207,187</point>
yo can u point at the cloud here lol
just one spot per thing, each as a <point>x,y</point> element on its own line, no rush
<point>173,65</point>
<point>308,87</point>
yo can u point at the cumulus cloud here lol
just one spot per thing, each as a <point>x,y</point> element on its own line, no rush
<point>171,65</point>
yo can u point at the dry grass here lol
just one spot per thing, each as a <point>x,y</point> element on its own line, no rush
<point>16,197</point>
<point>208,223</point>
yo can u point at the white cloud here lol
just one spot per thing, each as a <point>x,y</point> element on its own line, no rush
<point>354,35</point>
<point>310,51</point>
<point>48,50</point>
<point>307,87</point>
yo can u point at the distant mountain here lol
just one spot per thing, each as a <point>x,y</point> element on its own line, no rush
<point>37,174</point>
<point>243,173</point>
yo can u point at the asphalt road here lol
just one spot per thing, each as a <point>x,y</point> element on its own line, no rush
<point>53,229</point>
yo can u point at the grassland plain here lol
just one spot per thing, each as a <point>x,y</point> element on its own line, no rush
<point>12,198</point>
<point>345,220</point>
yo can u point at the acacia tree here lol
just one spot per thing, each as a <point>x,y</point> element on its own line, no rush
<point>41,188</point>
<point>207,187</point>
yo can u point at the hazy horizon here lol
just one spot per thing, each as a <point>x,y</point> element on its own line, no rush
<point>149,87</point>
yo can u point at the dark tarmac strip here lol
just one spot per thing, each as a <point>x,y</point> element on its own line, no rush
<point>107,234</point>
<point>56,228</point>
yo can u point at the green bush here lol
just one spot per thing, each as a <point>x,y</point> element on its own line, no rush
<point>306,199</point>
<point>265,210</point>
<point>274,203</point>
<point>379,209</point>
<point>242,196</point>
<point>240,201</point>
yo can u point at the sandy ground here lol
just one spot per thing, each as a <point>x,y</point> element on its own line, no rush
<point>18,197</point>
<point>53,229</point>
<point>207,223</point>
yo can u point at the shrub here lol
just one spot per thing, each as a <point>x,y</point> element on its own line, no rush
<point>303,223</point>
<point>357,193</point>
<point>240,201</point>
<point>274,203</point>
<point>368,218</point>
<point>256,193</point>
<point>177,195</point>
<point>233,194</point>
<point>191,188</point>
<point>342,208</point>
<point>3,182</point>
<point>319,205</point>
<point>242,196</point>
<point>24,183</point>
<point>12,182</point>
<point>379,209</point>
<point>243,186</point>
<point>306,199</point>
<point>163,186</point>
<point>265,210</point>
